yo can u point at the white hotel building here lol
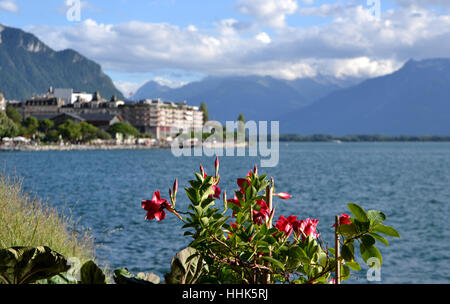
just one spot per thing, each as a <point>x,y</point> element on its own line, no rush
<point>163,119</point>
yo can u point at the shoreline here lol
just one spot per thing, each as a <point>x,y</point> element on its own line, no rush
<point>26,148</point>
<point>102,147</point>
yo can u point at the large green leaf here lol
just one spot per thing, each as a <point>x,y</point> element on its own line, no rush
<point>368,252</point>
<point>123,277</point>
<point>186,267</point>
<point>358,212</point>
<point>26,265</point>
<point>379,238</point>
<point>376,217</point>
<point>90,273</point>
<point>347,252</point>
<point>386,230</point>
<point>368,240</point>
<point>274,262</point>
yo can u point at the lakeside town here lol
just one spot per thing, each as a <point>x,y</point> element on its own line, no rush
<point>63,119</point>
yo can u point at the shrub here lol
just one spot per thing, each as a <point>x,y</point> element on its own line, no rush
<point>26,221</point>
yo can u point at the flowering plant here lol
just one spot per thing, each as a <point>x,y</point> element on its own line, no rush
<point>245,247</point>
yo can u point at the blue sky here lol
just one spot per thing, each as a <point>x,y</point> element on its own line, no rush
<point>178,41</point>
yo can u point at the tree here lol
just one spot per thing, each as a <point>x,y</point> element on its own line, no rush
<point>69,130</point>
<point>204,109</point>
<point>32,125</point>
<point>241,125</point>
<point>45,125</point>
<point>123,128</point>
<point>52,136</point>
<point>7,126</point>
<point>14,115</point>
<point>102,134</point>
<point>88,131</point>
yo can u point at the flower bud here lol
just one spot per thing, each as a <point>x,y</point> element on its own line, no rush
<point>283,195</point>
<point>216,165</point>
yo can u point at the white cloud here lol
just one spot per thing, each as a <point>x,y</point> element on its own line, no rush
<point>169,83</point>
<point>263,37</point>
<point>269,12</point>
<point>425,3</point>
<point>9,5</point>
<point>353,43</point>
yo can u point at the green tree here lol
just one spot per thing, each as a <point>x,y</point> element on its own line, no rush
<point>102,134</point>
<point>88,131</point>
<point>123,128</point>
<point>7,126</point>
<point>45,125</point>
<point>69,130</point>
<point>204,109</point>
<point>52,136</point>
<point>32,125</point>
<point>241,121</point>
<point>14,115</point>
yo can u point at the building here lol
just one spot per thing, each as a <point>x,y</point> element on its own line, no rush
<point>44,105</point>
<point>69,96</point>
<point>162,119</point>
<point>2,102</point>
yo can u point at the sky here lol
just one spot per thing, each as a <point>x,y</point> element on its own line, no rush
<point>175,42</point>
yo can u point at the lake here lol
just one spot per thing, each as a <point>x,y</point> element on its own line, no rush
<point>409,182</point>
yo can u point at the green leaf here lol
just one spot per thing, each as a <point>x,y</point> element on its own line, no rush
<point>274,262</point>
<point>91,274</point>
<point>358,212</point>
<point>347,252</point>
<point>205,221</point>
<point>354,266</point>
<point>332,251</point>
<point>26,265</point>
<point>186,267</point>
<point>368,240</point>
<point>376,217</point>
<point>345,272</point>
<point>379,238</point>
<point>386,230</point>
<point>123,277</point>
<point>370,252</point>
<point>348,230</point>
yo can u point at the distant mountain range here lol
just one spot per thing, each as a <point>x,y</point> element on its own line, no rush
<point>29,67</point>
<point>414,100</point>
<point>256,97</point>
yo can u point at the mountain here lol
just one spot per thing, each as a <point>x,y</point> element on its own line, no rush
<point>29,67</point>
<point>256,97</point>
<point>414,100</point>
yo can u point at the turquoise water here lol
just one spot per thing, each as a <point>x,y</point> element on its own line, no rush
<point>410,182</point>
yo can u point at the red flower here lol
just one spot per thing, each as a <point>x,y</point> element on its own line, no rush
<point>235,201</point>
<point>344,219</point>
<point>262,214</point>
<point>155,207</point>
<point>307,228</point>
<point>286,225</point>
<point>216,192</point>
<point>242,181</point>
<point>283,195</point>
